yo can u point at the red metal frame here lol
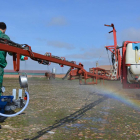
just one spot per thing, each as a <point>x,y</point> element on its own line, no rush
<point>115,51</point>
<point>97,73</point>
<point>113,47</point>
<point>78,71</point>
<point>16,61</point>
<point>18,51</point>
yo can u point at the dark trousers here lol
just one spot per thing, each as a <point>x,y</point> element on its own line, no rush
<point>1,78</point>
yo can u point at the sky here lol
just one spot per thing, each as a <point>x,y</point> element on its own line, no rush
<point>73,29</point>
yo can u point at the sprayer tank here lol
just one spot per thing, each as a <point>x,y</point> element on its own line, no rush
<point>133,57</point>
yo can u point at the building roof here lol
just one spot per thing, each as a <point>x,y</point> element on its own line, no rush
<point>106,67</point>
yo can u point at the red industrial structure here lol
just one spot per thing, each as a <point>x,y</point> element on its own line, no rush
<point>121,70</point>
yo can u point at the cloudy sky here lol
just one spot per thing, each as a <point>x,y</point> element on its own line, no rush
<point>73,29</point>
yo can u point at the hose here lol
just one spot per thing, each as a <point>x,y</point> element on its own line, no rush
<point>13,115</point>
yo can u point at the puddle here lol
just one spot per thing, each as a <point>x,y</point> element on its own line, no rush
<point>94,119</point>
<point>106,108</point>
<point>76,125</point>
<point>104,112</point>
<point>85,125</point>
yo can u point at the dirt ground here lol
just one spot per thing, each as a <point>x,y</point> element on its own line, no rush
<point>39,76</point>
<point>64,110</point>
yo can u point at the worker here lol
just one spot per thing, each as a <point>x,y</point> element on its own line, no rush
<point>3,54</point>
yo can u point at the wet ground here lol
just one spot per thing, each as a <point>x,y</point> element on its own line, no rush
<point>65,110</point>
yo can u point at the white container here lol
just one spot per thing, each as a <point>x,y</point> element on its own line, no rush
<point>135,69</point>
<point>131,54</point>
<point>14,94</point>
<point>54,70</point>
<point>133,57</point>
<point>20,93</point>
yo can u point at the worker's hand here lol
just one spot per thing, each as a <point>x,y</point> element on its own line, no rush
<point>23,58</point>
